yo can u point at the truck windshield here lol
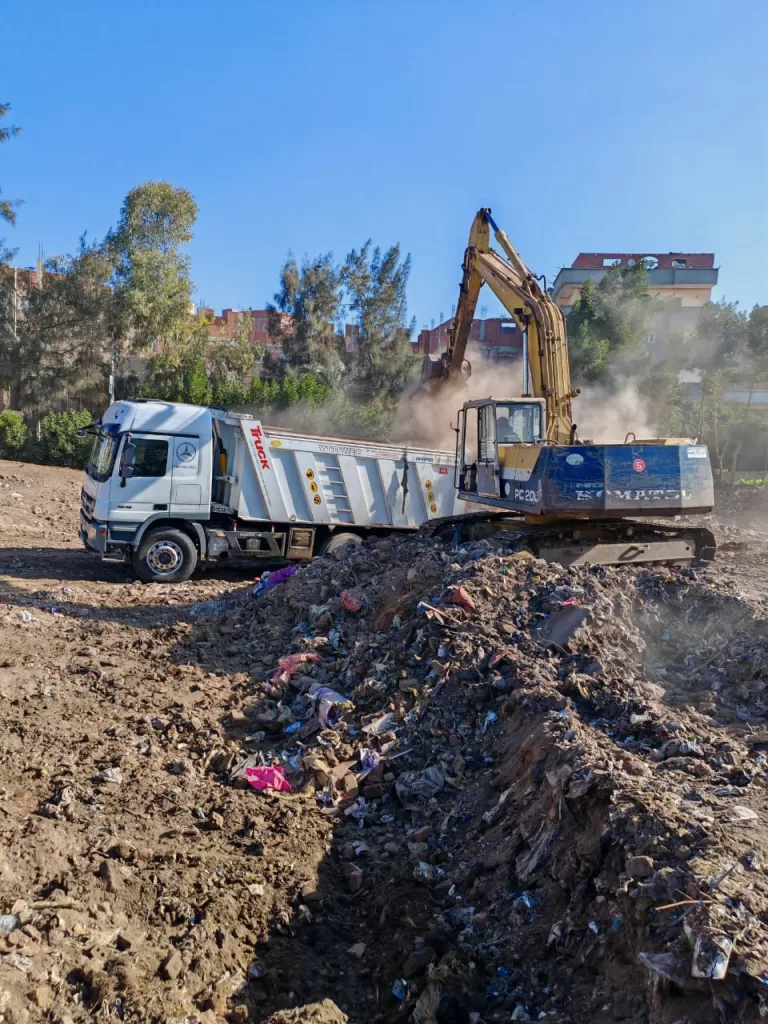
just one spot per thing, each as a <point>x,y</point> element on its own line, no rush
<point>102,457</point>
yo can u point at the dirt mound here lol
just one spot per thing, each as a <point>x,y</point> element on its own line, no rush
<point>519,789</point>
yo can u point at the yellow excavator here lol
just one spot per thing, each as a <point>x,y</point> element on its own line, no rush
<point>571,501</point>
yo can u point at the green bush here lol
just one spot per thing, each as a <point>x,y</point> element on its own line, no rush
<point>59,444</point>
<point>13,435</point>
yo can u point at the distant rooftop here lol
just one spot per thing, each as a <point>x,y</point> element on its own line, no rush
<point>653,261</point>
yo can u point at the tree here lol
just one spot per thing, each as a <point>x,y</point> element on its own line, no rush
<point>376,283</point>
<point>609,325</point>
<point>7,206</point>
<point>197,388</point>
<point>233,355</point>
<point>54,342</point>
<point>153,289</point>
<point>303,315</point>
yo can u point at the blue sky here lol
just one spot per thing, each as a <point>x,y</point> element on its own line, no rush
<point>310,126</point>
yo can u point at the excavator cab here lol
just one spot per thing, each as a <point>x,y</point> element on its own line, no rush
<point>498,435</point>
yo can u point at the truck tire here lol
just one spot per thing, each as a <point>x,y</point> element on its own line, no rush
<point>165,556</point>
<point>340,540</point>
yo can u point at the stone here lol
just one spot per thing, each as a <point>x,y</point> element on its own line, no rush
<point>421,835</point>
<point>237,718</point>
<point>639,867</point>
<point>357,950</point>
<point>172,966</point>
<point>43,997</point>
<point>417,961</point>
<point>110,874</point>
<point>349,786</point>
<point>238,1015</point>
<point>354,877</point>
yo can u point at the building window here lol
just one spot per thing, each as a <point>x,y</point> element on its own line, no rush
<point>611,261</point>
<point>679,264</point>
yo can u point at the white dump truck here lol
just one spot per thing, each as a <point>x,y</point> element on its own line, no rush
<point>168,486</point>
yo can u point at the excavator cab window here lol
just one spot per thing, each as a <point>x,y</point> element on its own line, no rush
<point>518,423</point>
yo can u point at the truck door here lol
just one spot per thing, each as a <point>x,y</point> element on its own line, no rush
<point>148,488</point>
<point>190,489</point>
<point>488,456</point>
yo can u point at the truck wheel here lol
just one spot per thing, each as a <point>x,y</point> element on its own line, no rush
<point>165,556</point>
<point>340,540</point>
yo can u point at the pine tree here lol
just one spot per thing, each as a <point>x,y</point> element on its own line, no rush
<point>376,283</point>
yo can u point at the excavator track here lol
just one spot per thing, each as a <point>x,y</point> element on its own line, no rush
<point>585,542</point>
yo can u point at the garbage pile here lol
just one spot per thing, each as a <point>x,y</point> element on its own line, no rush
<point>532,819</point>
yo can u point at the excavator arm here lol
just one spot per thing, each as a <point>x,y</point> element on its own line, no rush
<point>539,318</point>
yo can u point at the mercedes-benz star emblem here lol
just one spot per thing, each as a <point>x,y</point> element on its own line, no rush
<point>186,452</point>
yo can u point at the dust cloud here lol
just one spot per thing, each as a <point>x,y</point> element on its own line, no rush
<point>604,416</point>
<point>429,420</point>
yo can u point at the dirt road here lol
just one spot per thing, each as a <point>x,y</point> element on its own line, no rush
<point>143,886</point>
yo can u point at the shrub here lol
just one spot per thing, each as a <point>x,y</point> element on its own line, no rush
<point>13,434</point>
<point>59,444</point>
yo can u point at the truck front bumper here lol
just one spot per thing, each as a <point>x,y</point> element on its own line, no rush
<point>93,534</point>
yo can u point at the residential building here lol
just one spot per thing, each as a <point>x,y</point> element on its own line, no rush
<point>687,278</point>
<point>225,325</point>
<point>492,340</point>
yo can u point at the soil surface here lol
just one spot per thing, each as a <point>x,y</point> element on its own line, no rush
<point>511,791</point>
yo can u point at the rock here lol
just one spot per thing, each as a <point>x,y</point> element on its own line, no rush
<point>237,719</point>
<point>172,966</point>
<point>43,997</point>
<point>639,867</point>
<point>349,786</point>
<point>418,961</point>
<point>354,877</point>
<point>238,1015</point>
<point>310,894</point>
<point>130,937</point>
<point>357,950</point>
<point>421,835</point>
<point>120,849</point>
<point>109,872</point>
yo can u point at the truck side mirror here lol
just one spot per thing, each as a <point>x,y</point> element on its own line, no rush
<point>127,463</point>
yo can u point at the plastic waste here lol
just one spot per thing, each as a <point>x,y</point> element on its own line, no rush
<point>711,955</point>
<point>400,988</point>
<point>274,579</point>
<point>330,704</point>
<point>380,725</point>
<point>351,603</point>
<point>490,718</point>
<point>268,777</point>
<point>412,787</point>
<point>8,923</point>
<point>460,597</point>
<point>369,759</point>
<point>288,665</point>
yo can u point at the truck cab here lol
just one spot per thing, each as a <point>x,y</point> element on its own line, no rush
<point>150,472</point>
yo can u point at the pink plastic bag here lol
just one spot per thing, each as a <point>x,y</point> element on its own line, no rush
<point>263,777</point>
<point>351,603</point>
<point>289,665</point>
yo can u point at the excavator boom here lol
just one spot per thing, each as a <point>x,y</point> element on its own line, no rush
<point>540,320</point>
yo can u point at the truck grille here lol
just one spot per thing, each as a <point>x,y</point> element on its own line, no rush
<point>87,502</point>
